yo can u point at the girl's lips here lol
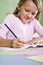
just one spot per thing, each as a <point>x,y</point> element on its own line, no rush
<point>27,18</point>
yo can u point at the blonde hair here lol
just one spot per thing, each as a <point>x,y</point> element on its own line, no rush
<point>38,3</point>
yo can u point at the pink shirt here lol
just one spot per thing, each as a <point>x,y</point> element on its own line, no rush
<point>22,31</point>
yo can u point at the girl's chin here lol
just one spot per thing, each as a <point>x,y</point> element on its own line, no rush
<point>26,22</point>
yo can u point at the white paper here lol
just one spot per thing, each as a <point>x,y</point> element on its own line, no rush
<point>24,47</point>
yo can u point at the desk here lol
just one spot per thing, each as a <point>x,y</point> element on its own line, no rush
<point>20,57</point>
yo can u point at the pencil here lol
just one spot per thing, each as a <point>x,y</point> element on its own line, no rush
<point>11,30</point>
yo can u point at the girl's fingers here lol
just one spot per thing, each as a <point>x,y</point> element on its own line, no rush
<point>19,44</point>
<point>21,41</point>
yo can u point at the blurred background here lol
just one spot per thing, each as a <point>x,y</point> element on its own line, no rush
<point>8,6</point>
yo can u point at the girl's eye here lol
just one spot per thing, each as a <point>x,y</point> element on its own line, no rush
<point>33,13</point>
<point>26,10</point>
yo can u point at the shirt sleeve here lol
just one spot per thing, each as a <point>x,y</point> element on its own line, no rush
<point>3,28</point>
<point>38,28</point>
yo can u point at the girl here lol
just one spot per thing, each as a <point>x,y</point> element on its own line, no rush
<point>24,23</point>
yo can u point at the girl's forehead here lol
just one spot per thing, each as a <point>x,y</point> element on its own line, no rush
<point>30,4</point>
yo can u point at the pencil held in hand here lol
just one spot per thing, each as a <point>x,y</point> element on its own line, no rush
<point>10,30</point>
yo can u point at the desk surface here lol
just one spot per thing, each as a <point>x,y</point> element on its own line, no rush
<point>19,57</point>
<point>17,60</point>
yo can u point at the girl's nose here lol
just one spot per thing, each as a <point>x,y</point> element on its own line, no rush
<point>29,16</point>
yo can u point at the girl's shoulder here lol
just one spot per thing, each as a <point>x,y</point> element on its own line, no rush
<point>9,19</point>
<point>10,16</point>
<point>35,21</point>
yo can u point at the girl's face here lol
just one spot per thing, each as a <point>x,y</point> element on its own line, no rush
<point>28,11</point>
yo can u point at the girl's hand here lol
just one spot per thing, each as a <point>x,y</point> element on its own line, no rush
<point>17,43</point>
<point>35,40</point>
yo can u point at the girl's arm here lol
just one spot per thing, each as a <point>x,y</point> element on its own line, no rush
<point>15,43</point>
<point>5,42</point>
<point>38,28</point>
